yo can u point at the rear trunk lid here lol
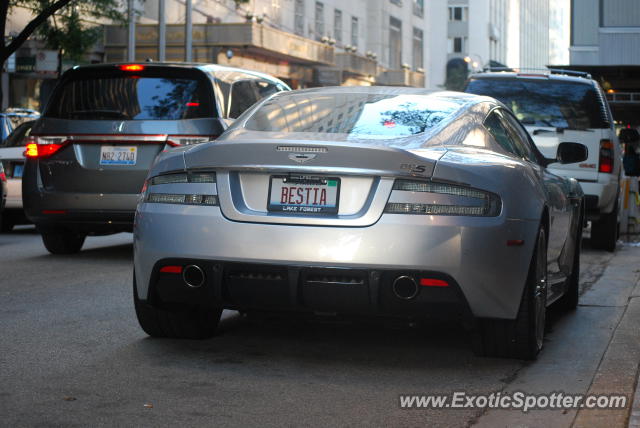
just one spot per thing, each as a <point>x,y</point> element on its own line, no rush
<point>284,181</point>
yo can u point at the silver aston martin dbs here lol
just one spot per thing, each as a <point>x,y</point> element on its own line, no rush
<point>391,202</point>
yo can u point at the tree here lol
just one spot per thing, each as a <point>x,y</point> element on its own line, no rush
<point>61,23</point>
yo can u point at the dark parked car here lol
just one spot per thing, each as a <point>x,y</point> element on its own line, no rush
<point>102,129</point>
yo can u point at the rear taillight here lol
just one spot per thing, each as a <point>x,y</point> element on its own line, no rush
<point>42,147</point>
<point>451,200</point>
<point>605,163</point>
<point>185,140</point>
<point>3,176</point>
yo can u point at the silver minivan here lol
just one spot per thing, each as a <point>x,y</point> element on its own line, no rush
<point>89,153</point>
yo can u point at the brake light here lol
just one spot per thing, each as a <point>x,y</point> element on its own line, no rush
<point>432,282</point>
<point>185,140</point>
<point>3,176</point>
<point>42,147</point>
<point>606,157</point>
<point>171,269</point>
<point>193,104</point>
<point>131,67</point>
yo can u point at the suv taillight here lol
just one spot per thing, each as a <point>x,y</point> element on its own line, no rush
<point>185,140</point>
<point>42,147</point>
<point>605,163</point>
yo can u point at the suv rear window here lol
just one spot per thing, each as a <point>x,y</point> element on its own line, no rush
<point>546,102</point>
<point>144,96</point>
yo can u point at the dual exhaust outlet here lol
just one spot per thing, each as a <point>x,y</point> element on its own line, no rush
<point>193,276</point>
<point>404,287</point>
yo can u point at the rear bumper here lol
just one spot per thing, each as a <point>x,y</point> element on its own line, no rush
<point>600,198</point>
<point>81,212</point>
<point>85,221</point>
<point>363,292</point>
<point>470,251</point>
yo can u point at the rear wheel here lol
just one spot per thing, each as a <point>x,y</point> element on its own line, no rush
<point>62,241</point>
<point>604,232</point>
<point>522,337</point>
<point>180,322</point>
<point>6,223</point>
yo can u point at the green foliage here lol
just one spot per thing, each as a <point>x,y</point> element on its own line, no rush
<point>75,28</point>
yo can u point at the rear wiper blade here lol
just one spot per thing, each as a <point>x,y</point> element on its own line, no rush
<point>568,128</point>
<point>112,113</point>
<point>540,131</point>
<point>559,130</point>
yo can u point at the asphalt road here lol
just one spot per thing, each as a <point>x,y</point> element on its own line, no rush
<point>71,353</point>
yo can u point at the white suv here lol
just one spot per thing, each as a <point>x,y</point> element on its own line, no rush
<point>562,106</point>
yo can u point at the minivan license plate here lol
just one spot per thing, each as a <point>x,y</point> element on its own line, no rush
<point>304,194</point>
<point>118,155</point>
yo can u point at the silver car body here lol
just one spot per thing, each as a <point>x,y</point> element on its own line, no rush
<point>486,257</point>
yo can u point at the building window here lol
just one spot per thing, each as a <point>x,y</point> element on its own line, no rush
<point>397,2</point>
<point>458,13</point>
<point>418,48</point>
<point>395,43</point>
<point>319,30</point>
<point>457,44</point>
<point>299,17</point>
<point>418,8</point>
<point>275,11</point>
<point>337,25</point>
<point>354,31</point>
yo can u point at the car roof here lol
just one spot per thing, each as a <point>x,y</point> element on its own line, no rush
<point>190,65</point>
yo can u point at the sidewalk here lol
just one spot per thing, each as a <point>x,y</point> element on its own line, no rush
<point>595,349</point>
<point>617,372</point>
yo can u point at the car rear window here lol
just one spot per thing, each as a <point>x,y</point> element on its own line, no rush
<point>547,103</point>
<point>361,115</point>
<point>121,96</point>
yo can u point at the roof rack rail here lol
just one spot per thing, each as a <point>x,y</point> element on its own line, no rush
<point>545,70</point>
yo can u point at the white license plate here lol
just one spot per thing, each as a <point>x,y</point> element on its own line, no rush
<point>304,194</point>
<point>118,155</point>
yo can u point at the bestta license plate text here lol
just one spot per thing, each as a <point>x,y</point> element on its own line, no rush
<point>304,194</point>
<point>118,155</point>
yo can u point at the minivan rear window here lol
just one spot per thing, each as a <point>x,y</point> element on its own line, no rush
<point>132,97</point>
<point>549,103</point>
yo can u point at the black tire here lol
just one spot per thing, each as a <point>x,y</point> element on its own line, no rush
<point>179,322</point>
<point>62,241</point>
<point>6,223</point>
<point>569,300</point>
<point>604,232</point>
<point>520,338</point>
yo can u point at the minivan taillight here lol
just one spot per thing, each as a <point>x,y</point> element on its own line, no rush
<point>42,147</point>
<point>605,163</point>
<point>185,140</point>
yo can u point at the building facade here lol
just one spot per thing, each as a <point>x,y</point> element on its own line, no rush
<point>605,42</point>
<point>305,42</point>
<point>511,33</point>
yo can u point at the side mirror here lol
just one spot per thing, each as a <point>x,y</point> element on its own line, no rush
<point>571,153</point>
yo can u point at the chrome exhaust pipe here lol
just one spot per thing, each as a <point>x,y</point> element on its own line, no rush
<point>405,287</point>
<point>193,276</point>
